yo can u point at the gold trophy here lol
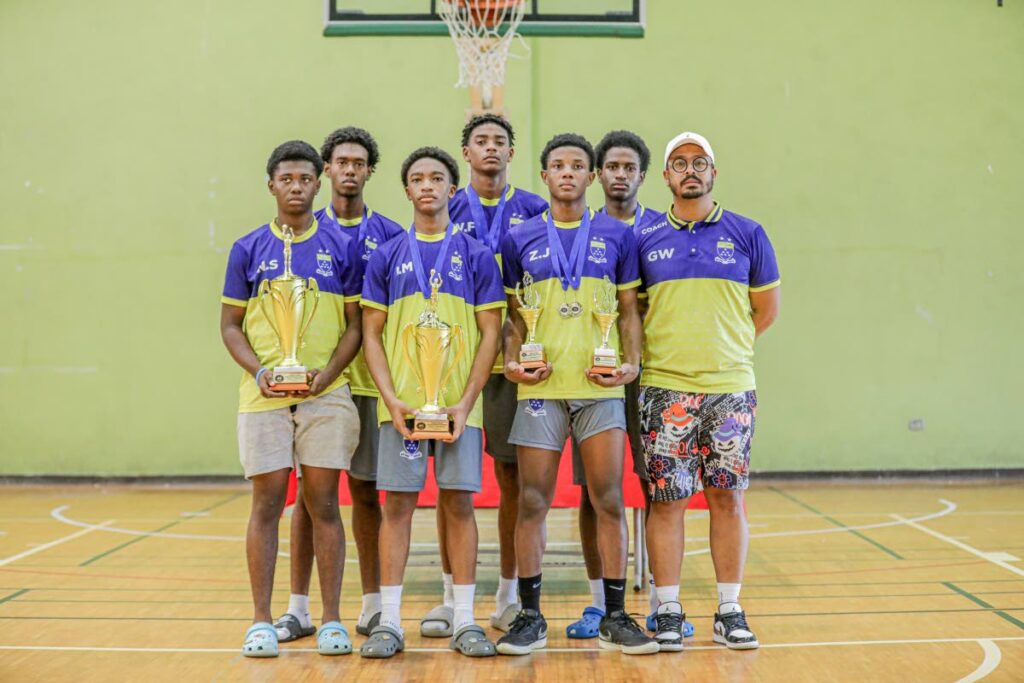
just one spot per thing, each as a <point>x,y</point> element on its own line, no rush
<point>289,315</point>
<point>606,300</point>
<point>435,344</point>
<point>531,354</point>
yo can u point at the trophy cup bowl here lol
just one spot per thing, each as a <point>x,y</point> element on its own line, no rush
<point>428,349</point>
<point>531,353</point>
<point>606,312</point>
<point>285,301</point>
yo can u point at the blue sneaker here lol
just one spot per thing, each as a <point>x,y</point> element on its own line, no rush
<point>652,624</point>
<point>588,625</point>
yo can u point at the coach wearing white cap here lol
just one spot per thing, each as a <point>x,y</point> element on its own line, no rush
<point>712,284</point>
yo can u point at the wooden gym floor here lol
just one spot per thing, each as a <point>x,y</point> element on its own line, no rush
<point>844,582</point>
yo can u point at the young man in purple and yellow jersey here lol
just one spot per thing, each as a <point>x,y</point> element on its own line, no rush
<point>399,283</point>
<point>572,253</point>
<point>350,156</point>
<point>712,284</point>
<point>316,429</point>
<point>486,208</point>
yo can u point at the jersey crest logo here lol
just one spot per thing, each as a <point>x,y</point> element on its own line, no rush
<point>368,246</point>
<point>411,450</point>
<point>725,251</point>
<point>455,272</point>
<point>324,263</point>
<point>535,407</point>
<point>515,220</point>
<point>598,248</point>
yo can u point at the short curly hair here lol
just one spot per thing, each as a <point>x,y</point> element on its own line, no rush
<point>627,139</point>
<point>567,140</point>
<point>356,136</point>
<point>435,153</point>
<point>483,119</point>
<point>294,150</point>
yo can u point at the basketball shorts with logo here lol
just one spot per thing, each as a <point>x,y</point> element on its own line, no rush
<point>319,432</point>
<point>691,438</point>
<point>547,423</point>
<point>499,412</point>
<point>579,477</point>
<point>402,464</point>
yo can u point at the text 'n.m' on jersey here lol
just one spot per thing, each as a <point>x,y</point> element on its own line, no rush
<point>569,342</point>
<point>367,233</point>
<point>470,282</point>
<point>699,333</point>
<point>325,255</point>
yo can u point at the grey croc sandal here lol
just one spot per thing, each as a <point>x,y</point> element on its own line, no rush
<point>289,628</point>
<point>471,641</point>
<point>384,642</point>
<point>370,625</point>
<point>438,622</point>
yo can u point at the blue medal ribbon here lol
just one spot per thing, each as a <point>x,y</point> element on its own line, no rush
<point>364,225</point>
<point>417,260</point>
<point>569,269</point>
<point>492,235</point>
<point>636,216</point>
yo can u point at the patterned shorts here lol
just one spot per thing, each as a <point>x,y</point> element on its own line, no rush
<point>691,439</point>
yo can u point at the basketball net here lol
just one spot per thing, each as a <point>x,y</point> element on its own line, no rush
<point>483,31</point>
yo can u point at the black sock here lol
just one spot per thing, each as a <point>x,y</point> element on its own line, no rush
<point>614,595</point>
<point>529,592</point>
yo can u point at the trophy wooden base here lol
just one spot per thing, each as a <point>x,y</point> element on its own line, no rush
<point>531,356</point>
<point>436,426</point>
<point>605,362</point>
<point>289,379</point>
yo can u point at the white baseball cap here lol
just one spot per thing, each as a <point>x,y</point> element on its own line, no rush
<point>689,138</point>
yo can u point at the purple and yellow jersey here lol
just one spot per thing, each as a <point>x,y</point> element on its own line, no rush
<point>647,217</point>
<point>379,229</point>
<point>325,255</point>
<point>470,282</point>
<point>698,277</point>
<point>570,342</point>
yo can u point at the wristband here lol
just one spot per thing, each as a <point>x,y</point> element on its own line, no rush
<point>259,373</point>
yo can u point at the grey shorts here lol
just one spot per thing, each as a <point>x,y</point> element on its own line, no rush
<point>364,460</point>
<point>499,411</point>
<point>319,432</point>
<point>579,477</point>
<point>548,423</point>
<point>402,465</point>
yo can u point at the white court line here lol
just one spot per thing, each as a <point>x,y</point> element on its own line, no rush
<point>993,656</point>
<point>722,648</point>
<point>990,557</point>
<point>47,546</point>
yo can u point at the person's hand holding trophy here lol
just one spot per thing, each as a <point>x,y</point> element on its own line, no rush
<point>605,369</point>
<point>533,365</point>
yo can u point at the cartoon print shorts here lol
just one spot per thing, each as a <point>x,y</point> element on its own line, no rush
<point>692,439</point>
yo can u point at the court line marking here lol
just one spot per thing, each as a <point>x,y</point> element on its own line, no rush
<point>990,557</point>
<point>721,648</point>
<point>993,656</point>
<point>46,546</point>
<point>1003,613</point>
<point>790,497</point>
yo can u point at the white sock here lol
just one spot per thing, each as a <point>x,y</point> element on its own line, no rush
<point>463,605</point>
<point>391,607</point>
<point>652,595</point>
<point>729,598</point>
<point>449,597</point>
<point>371,605</point>
<point>667,594</point>
<point>508,593</point>
<point>298,606</point>
<point>596,593</point>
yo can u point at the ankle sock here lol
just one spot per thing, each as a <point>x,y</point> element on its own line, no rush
<point>371,605</point>
<point>391,607</point>
<point>298,606</point>
<point>449,597</point>
<point>463,596</point>
<point>728,593</point>
<point>508,593</point>
<point>667,594</point>
<point>597,593</point>
<point>614,595</point>
<point>529,591</point>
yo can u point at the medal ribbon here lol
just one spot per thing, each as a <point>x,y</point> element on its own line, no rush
<point>363,224</point>
<point>569,269</point>
<point>636,216</point>
<point>492,235</point>
<point>417,259</point>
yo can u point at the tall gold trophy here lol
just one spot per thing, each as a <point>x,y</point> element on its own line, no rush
<point>606,311</point>
<point>289,313</point>
<point>429,346</point>
<point>531,354</point>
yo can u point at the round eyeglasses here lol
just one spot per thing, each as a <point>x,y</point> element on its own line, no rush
<point>699,165</point>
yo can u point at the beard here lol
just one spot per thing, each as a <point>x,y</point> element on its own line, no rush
<point>695,193</point>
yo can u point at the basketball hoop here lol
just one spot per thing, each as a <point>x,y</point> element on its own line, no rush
<point>482,31</point>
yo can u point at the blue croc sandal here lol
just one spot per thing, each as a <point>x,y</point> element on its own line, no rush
<point>588,624</point>
<point>652,624</point>
<point>332,639</point>
<point>260,641</point>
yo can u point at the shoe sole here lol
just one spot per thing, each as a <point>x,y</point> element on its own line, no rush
<point>645,649</point>
<point>669,646</point>
<point>509,649</point>
<point>752,645</point>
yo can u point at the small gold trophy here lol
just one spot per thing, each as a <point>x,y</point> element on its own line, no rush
<point>531,354</point>
<point>606,359</point>
<point>428,348</point>
<point>289,315</point>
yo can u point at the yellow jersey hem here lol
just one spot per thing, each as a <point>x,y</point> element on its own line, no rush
<point>234,302</point>
<point>764,288</point>
<point>366,303</point>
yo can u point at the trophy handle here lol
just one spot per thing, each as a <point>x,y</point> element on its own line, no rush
<point>262,293</point>
<point>315,289</point>
<point>409,335</point>
<point>457,336</point>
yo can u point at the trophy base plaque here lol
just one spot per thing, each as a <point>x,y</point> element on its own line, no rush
<point>532,356</point>
<point>432,426</point>
<point>289,379</point>
<point>605,361</point>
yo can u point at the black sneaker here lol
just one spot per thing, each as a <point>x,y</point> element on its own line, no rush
<point>732,631</point>
<point>527,633</point>
<point>618,631</point>
<point>669,634</point>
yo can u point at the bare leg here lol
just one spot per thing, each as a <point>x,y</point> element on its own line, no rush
<point>366,519</point>
<point>665,540</point>
<point>395,529</point>
<point>729,534</point>
<point>538,473</point>
<point>268,496</point>
<point>300,546</point>
<point>507,474</point>
<point>588,536</point>
<point>320,491</point>
<point>442,538</point>
<point>602,460</point>
<point>461,542</point>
